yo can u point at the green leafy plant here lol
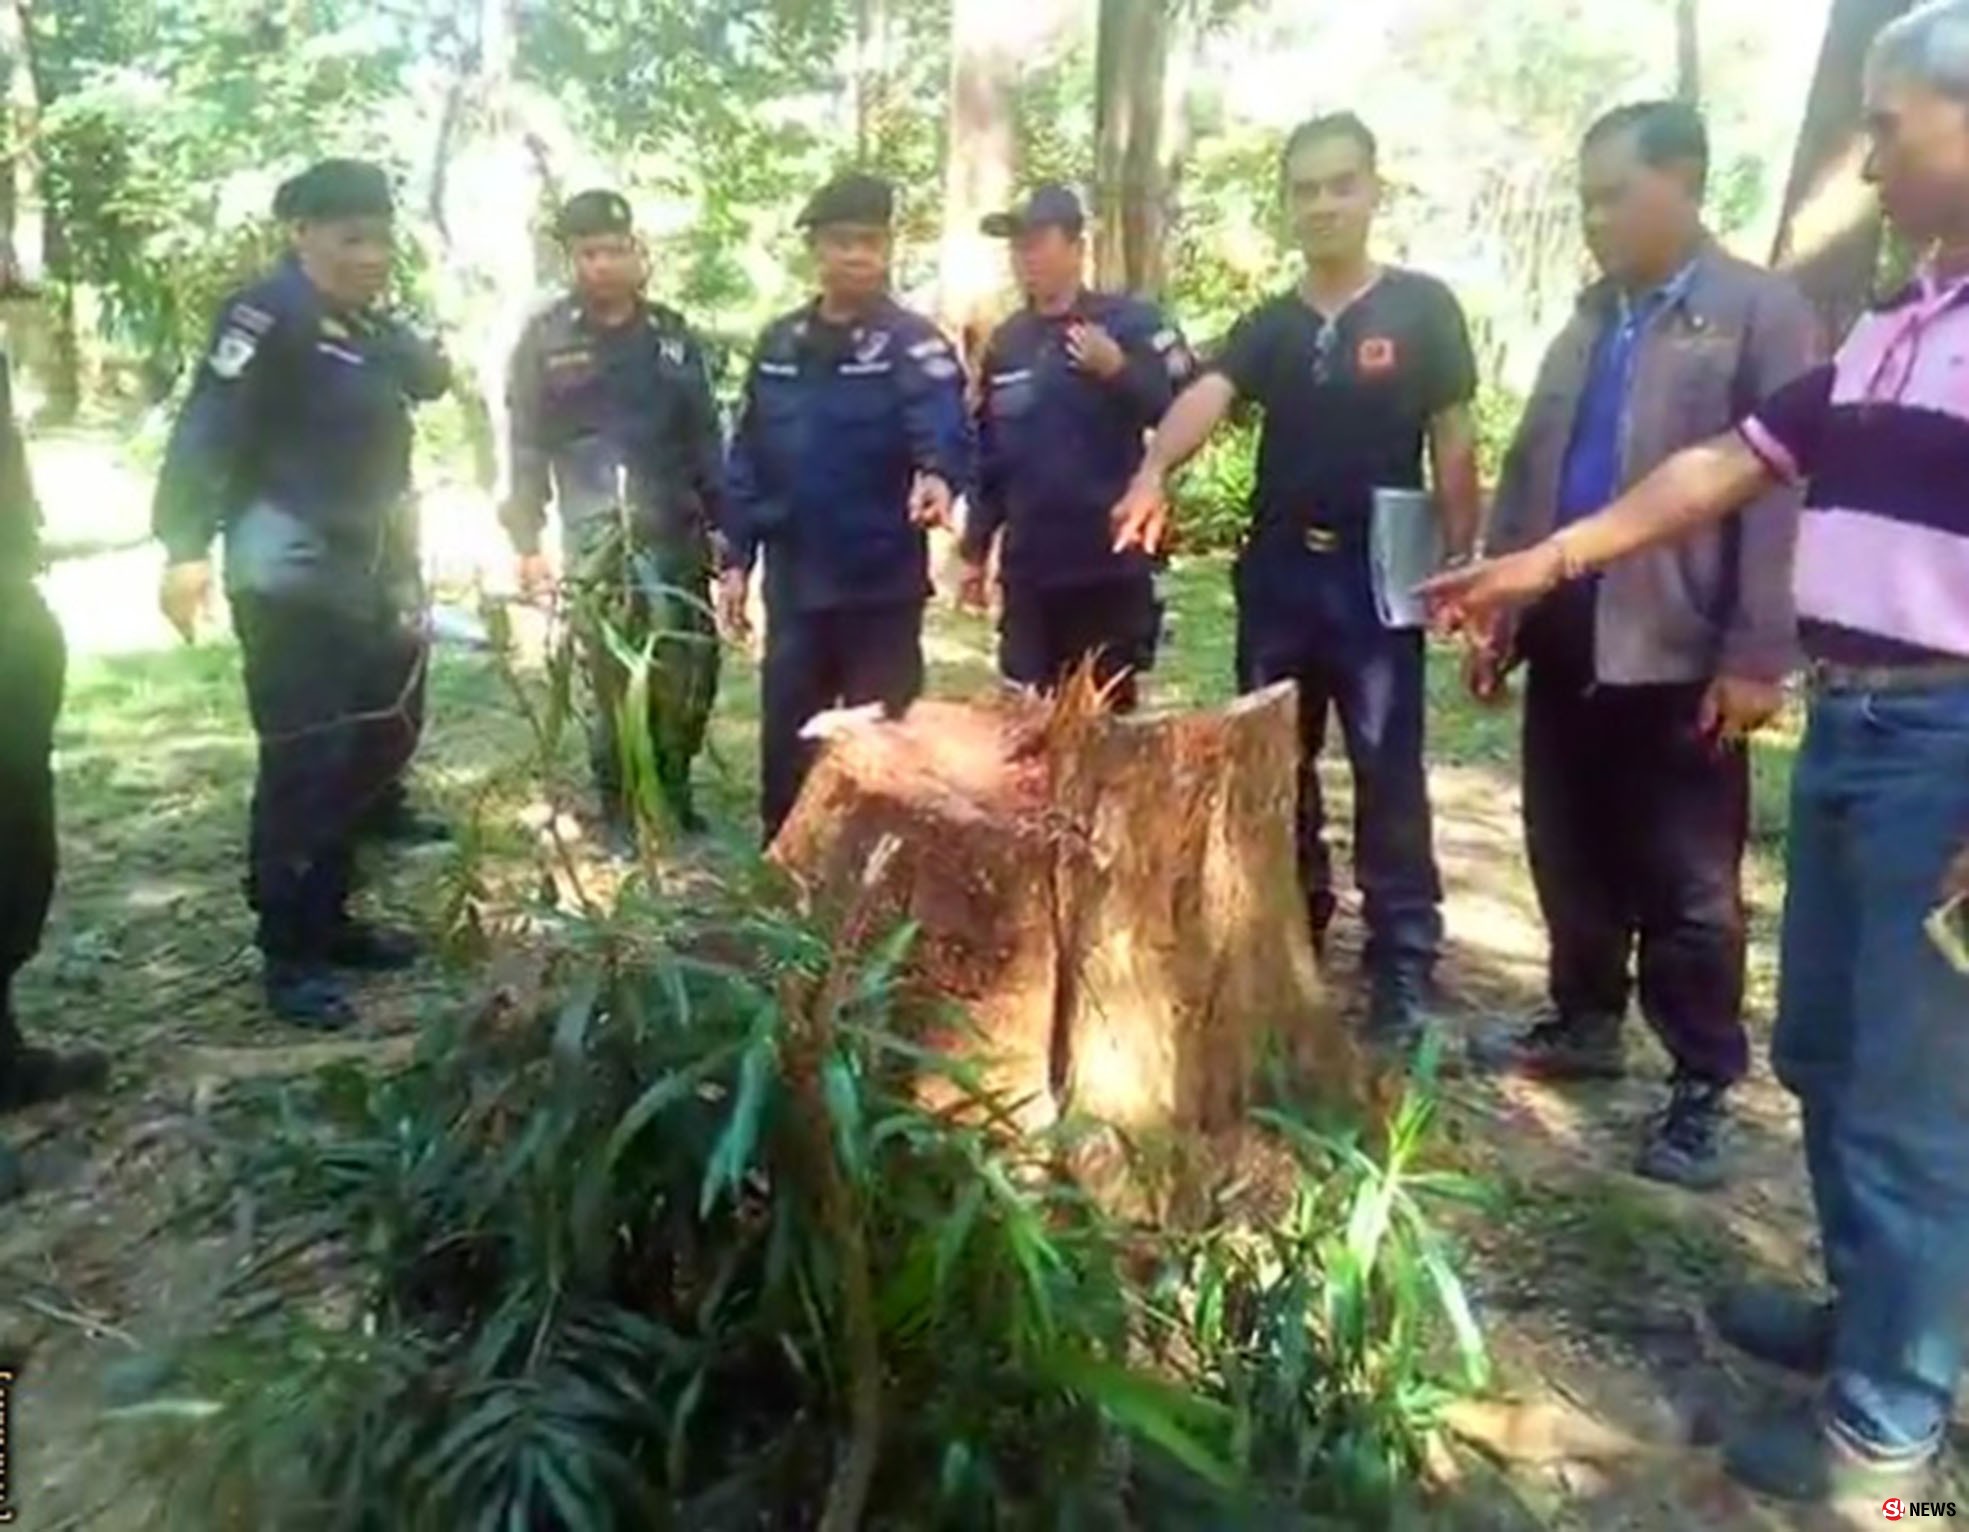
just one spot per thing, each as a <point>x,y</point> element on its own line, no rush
<point>1322,1329</point>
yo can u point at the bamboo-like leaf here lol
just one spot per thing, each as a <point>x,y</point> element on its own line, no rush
<point>733,1156</point>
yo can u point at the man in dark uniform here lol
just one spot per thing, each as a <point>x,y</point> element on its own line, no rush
<point>611,411</point>
<point>1357,371</point>
<point>295,441</point>
<point>1069,387</point>
<point>852,442</point>
<point>32,663</point>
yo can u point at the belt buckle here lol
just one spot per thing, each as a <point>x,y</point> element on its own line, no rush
<point>1321,540</point>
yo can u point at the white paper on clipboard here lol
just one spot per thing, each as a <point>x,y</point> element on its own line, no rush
<point>1406,548</point>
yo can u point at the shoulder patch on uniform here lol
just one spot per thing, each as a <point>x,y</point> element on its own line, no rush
<point>248,317</point>
<point>935,345</point>
<point>671,348</point>
<point>942,367</point>
<point>1165,338</point>
<point>232,352</point>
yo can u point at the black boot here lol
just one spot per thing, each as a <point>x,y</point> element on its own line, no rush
<point>30,1076</point>
<point>308,994</point>
<point>1685,1142</point>
<point>1397,1013</point>
<point>1560,1047</point>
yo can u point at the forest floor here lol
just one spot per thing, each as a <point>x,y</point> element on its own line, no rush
<point>1612,1391</point>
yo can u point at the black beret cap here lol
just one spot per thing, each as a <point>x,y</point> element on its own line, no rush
<point>335,189</point>
<point>853,198</point>
<point>589,213</point>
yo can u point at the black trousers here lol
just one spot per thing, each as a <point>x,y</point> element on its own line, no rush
<point>401,684</point>
<point>821,660</point>
<point>33,666</point>
<point>326,693</point>
<point>1045,634</point>
<point>1636,826</point>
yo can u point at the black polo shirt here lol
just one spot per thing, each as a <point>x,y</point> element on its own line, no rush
<point>1346,404</point>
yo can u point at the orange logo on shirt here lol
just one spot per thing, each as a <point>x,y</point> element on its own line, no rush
<point>1377,355</point>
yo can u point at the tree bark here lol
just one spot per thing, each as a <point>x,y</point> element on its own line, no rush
<point>1131,68</point>
<point>1688,51</point>
<point>64,370</point>
<point>1829,234</point>
<point>986,41</point>
<point>871,75</point>
<point>1114,903</point>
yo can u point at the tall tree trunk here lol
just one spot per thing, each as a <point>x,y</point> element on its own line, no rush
<point>19,186</point>
<point>1130,66</point>
<point>36,94</point>
<point>1830,231</point>
<point>1688,51</point>
<point>987,38</point>
<point>871,67</point>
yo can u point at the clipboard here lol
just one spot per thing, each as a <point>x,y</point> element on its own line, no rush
<point>1406,548</point>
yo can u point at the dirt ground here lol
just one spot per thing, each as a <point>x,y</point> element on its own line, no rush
<point>1612,1392</point>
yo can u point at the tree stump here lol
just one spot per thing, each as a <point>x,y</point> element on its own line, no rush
<point>1112,902</point>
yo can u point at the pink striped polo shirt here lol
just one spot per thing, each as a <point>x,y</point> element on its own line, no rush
<point>1880,437</point>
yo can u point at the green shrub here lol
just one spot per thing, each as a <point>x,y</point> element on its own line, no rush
<point>1212,497</point>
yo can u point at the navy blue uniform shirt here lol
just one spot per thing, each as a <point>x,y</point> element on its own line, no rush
<point>589,402</point>
<point>1058,446</point>
<point>296,441</point>
<point>836,423</point>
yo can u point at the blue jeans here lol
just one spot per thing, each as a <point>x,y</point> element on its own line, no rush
<point>1312,620</point>
<point>1873,1039</point>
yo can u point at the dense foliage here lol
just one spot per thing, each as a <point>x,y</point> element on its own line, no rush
<point>676,1240</point>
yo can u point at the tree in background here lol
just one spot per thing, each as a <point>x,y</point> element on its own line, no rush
<point>1829,236</point>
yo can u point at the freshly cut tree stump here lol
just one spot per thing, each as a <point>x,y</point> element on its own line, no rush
<point>1113,902</point>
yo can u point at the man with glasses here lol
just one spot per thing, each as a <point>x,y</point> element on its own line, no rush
<point>1361,372</point>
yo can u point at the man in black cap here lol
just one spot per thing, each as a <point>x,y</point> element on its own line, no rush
<point>852,442</point>
<point>612,413</point>
<point>295,442</point>
<point>1070,385</point>
<point>31,675</point>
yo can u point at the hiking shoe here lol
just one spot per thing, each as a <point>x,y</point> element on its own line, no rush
<point>1684,1146</point>
<point>1397,1016</point>
<point>1777,1325</point>
<point>366,948</point>
<point>1562,1049</point>
<point>308,995</point>
<point>1806,1457</point>
<point>32,1076</point>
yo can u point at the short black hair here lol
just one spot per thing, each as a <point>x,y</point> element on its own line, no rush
<point>1665,133</point>
<point>1347,125</point>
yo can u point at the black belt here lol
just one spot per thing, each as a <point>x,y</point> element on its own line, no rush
<point>1825,678</point>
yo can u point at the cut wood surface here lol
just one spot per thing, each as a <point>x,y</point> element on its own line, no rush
<point>1112,902</point>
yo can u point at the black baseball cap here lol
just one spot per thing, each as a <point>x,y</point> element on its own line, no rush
<point>855,198</point>
<point>1050,206</point>
<point>335,189</point>
<point>590,213</point>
